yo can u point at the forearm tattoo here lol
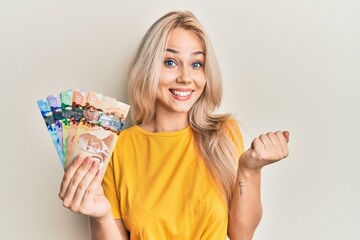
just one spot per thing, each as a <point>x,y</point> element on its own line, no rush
<point>241,186</point>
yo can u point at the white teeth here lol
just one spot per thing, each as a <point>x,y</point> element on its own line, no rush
<point>181,94</point>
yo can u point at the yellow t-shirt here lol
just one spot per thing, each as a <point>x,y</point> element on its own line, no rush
<point>158,184</point>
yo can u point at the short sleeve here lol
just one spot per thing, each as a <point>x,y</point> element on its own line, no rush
<point>110,187</point>
<point>235,135</point>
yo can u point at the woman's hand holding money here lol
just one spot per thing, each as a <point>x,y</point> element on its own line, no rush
<point>81,189</point>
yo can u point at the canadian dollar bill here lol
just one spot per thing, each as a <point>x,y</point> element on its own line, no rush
<point>55,106</point>
<point>99,128</point>
<point>77,112</point>
<point>82,122</point>
<point>52,128</point>
<point>66,107</point>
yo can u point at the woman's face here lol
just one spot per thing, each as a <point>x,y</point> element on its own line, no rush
<point>182,77</point>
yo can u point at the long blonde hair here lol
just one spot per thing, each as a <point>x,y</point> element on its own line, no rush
<point>211,130</point>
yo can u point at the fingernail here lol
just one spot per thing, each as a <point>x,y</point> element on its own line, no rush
<point>88,160</point>
<point>99,172</point>
<point>95,164</point>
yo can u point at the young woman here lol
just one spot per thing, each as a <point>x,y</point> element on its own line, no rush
<point>181,171</point>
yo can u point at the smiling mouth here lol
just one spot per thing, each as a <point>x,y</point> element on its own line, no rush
<point>181,93</point>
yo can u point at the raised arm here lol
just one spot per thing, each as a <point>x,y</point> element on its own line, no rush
<point>81,192</point>
<point>246,208</point>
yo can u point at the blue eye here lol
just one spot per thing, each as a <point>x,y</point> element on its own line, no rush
<point>170,63</point>
<point>197,65</point>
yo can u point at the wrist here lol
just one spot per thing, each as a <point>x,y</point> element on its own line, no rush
<point>248,164</point>
<point>102,219</point>
<point>246,173</point>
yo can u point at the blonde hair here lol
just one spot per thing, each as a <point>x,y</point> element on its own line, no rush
<point>211,130</point>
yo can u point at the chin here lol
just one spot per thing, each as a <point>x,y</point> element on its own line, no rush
<point>182,109</point>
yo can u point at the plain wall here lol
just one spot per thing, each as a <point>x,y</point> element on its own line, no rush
<point>286,65</point>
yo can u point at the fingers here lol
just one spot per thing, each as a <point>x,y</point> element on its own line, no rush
<point>75,180</point>
<point>265,149</point>
<point>267,140</point>
<point>69,173</point>
<point>82,190</point>
<point>283,138</point>
<point>78,177</point>
<point>286,135</point>
<point>93,190</point>
<point>271,146</point>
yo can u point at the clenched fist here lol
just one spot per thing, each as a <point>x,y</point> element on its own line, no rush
<point>265,149</point>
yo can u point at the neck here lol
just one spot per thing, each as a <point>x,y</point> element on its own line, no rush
<point>167,122</point>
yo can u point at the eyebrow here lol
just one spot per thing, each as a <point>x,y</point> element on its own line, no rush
<point>177,52</point>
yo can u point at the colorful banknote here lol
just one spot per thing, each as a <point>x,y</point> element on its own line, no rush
<point>66,107</point>
<point>76,114</point>
<point>55,106</point>
<point>82,122</point>
<point>51,127</point>
<point>99,128</point>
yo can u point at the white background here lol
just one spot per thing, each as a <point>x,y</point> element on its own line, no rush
<point>286,64</point>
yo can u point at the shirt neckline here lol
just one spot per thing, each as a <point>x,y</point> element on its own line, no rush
<point>184,131</point>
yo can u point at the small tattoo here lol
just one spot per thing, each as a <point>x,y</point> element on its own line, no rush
<point>241,186</point>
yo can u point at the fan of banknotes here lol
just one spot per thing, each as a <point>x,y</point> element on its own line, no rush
<point>83,122</point>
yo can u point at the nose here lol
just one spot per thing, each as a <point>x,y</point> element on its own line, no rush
<point>184,76</point>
